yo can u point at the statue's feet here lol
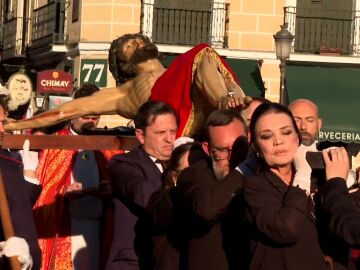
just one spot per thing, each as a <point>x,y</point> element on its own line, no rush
<point>236,103</point>
<point>233,89</point>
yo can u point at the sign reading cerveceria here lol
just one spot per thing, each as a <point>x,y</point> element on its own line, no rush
<point>336,136</point>
<point>54,81</point>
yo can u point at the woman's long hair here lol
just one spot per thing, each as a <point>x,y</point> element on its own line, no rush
<point>196,153</point>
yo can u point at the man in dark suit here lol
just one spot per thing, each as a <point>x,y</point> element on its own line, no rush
<point>135,177</point>
<point>21,195</point>
<point>207,189</point>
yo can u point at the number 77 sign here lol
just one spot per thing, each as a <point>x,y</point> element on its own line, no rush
<point>94,71</point>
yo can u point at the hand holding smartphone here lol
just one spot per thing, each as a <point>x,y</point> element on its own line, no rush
<point>316,161</point>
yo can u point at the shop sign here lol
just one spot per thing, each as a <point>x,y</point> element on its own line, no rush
<point>54,82</point>
<point>20,89</point>
<point>94,71</point>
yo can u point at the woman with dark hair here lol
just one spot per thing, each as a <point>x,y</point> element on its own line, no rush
<point>182,157</point>
<point>277,207</point>
<point>167,242</point>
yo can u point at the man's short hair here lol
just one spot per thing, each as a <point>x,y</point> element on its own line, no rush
<point>85,90</point>
<point>222,118</point>
<point>149,111</point>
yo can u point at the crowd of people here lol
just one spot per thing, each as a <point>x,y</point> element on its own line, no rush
<point>237,192</point>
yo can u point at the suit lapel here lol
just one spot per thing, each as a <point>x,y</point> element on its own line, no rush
<point>150,168</point>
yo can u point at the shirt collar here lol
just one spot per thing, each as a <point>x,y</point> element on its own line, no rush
<point>73,132</point>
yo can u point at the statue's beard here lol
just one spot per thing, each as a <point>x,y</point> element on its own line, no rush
<point>149,51</point>
<point>128,69</point>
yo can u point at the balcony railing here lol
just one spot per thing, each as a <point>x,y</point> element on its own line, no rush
<point>13,38</point>
<point>186,26</point>
<point>48,25</point>
<point>317,31</point>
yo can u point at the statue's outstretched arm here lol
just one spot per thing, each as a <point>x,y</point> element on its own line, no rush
<point>101,103</point>
<point>123,100</point>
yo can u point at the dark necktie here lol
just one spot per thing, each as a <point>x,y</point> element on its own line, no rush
<point>164,163</point>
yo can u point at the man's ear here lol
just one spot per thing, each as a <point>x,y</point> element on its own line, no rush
<point>319,123</point>
<point>206,148</point>
<point>139,135</point>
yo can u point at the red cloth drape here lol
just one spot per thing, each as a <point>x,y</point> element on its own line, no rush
<point>174,86</point>
<point>51,211</point>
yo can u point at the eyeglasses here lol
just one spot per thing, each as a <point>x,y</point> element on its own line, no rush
<point>221,153</point>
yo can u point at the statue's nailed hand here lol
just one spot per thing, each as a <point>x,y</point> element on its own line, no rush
<point>237,103</point>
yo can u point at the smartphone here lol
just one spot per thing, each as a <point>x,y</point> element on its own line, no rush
<point>315,160</point>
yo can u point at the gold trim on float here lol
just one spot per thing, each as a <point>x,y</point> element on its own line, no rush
<point>208,51</point>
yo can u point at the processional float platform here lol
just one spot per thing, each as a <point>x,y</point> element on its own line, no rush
<point>84,142</point>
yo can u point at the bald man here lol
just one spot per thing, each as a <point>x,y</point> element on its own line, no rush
<point>307,118</point>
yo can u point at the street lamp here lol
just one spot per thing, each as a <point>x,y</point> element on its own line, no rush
<point>283,40</point>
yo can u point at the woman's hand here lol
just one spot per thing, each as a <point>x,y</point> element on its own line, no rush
<point>74,191</point>
<point>336,162</point>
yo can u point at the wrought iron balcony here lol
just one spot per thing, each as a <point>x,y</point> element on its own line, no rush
<point>186,26</point>
<point>48,25</point>
<point>324,31</point>
<point>13,38</point>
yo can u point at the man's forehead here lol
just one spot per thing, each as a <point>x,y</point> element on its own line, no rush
<point>162,122</point>
<point>304,109</point>
<point>229,132</point>
<point>160,118</point>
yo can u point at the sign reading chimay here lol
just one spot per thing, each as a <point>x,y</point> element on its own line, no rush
<point>54,81</point>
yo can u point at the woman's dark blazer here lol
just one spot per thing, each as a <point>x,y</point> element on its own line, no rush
<point>283,228</point>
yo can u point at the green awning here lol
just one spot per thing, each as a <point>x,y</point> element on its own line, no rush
<point>249,76</point>
<point>247,72</point>
<point>336,91</point>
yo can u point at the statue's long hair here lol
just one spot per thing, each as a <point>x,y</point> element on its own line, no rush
<point>120,67</point>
